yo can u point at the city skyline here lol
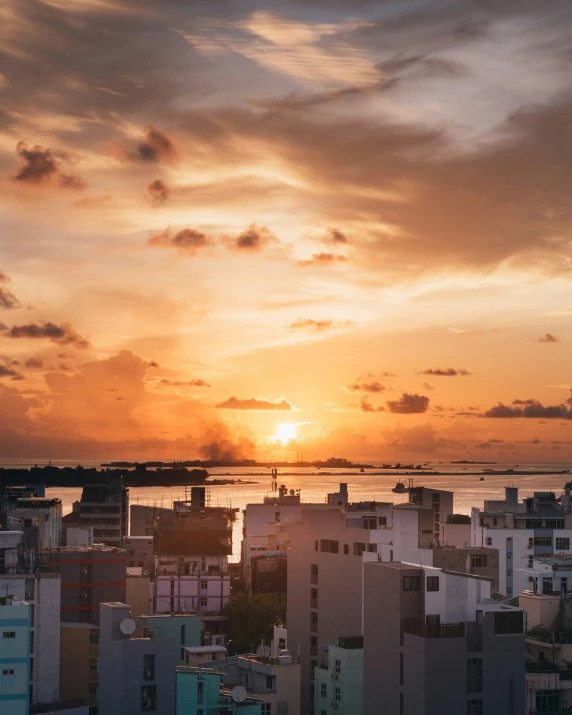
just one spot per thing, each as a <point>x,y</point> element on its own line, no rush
<point>261,231</point>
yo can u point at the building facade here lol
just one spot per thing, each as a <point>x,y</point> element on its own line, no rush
<point>339,679</point>
<point>200,692</point>
<point>15,640</point>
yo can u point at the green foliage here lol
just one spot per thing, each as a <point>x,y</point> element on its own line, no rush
<point>252,619</point>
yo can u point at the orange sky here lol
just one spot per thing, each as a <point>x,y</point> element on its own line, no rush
<point>237,230</point>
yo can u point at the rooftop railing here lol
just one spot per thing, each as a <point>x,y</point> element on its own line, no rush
<point>441,630</point>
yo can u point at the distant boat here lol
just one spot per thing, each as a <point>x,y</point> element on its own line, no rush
<point>482,479</point>
<point>399,488</point>
<point>362,470</point>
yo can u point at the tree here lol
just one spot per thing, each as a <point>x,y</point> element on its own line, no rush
<point>252,619</point>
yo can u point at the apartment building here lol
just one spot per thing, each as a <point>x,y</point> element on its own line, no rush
<point>540,525</point>
<point>90,576</point>
<point>15,640</point>
<point>45,512</point>
<point>106,508</point>
<point>200,691</point>
<point>79,658</point>
<point>436,643</point>
<point>339,679</point>
<point>25,577</point>
<point>140,553</point>
<point>135,674</point>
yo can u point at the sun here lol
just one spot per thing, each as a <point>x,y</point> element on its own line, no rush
<point>286,432</point>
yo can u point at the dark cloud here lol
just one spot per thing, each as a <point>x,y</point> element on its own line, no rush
<point>6,371</point>
<point>374,386</point>
<point>253,239</point>
<point>8,300</point>
<point>427,386</point>
<point>254,403</point>
<point>188,383</point>
<point>153,363</point>
<point>317,326</point>
<point>156,146</point>
<point>334,235</point>
<point>548,338</point>
<point>366,406</point>
<point>158,192</point>
<point>63,334</point>
<point>531,409</point>
<point>187,241</point>
<point>408,404</point>
<point>34,363</point>
<point>323,259</point>
<point>41,166</point>
<point>447,372</point>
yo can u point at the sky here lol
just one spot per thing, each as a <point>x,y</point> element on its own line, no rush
<point>267,230</point>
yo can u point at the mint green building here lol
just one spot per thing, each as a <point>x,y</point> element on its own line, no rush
<point>339,682</point>
<point>199,692</point>
<point>184,629</point>
<point>15,629</point>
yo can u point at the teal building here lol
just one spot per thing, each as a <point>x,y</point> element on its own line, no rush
<point>15,629</point>
<point>184,629</point>
<point>339,682</point>
<point>199,692</point>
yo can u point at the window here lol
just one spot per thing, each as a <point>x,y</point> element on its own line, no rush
<point>149,667</point>
<point>183,629</point>
<point>474,707</point>
<point>314,574</point>
<point>313,621</point>
<point>266,708</point>
<point>530,562</point>
<point>547,586</point>
<point>411,583</point>
<point>479,561</point>
<point>324,690</point>
<point>337,693</point>
<point>337,667</point>
<point>495,521</point>
<point>314,598</point>
<point>277,517</point>
<point>8,672</point>
<point>489,541</point>
<point>9,634</point>
<point>93,664</point>
<point>270,682</point>
<point>401,669</point>
<point>383,521</point>
<point>508,623</point>
<point>372,548</point>
<point>204,585</point>
<point>200,692</point>
<point>475,675</point>
<point>358,548</point>
<point>542,541</point>
<point>204,602</point>
<point>315,546</point>
<point>432,583</point>
<point>562,543</point>
<point>148,698</point>
<point>563,585</point>
<point>346,549</point>
<point>313,645</point>
<point>94,639</point>
<point>329,546</point>
<point>29,589</point>
<point>369,522</point>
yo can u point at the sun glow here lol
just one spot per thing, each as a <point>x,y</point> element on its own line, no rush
<point>286,432</point>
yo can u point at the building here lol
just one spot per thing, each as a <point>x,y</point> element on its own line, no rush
<point>196,655</point>
<point>78,535</point>
<point>105,507</point>
<point>435,643</point>
<point>140,553</point>
<point>135,674</point>
<point>199,692</point>
<point>549,575</point>
<point>440,501</point>
<point>339,679</point>
<point>15,638</point>
<point>79,654</point>
<point>476,560</point>
<point>191,545</point>
<point>269,573</point>
<point>184,631</point>
<point>90,576</point>
<point>142,519</point>
<point>539,526</point>
<point>138,592</point>
<point>25,577</point>
<point>61,707</point>
<point>45,512</point>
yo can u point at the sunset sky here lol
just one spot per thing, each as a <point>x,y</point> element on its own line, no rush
<point>246,229</point>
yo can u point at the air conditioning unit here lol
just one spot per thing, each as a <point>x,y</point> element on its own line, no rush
<point>148,674</point>
<point>84,572</point>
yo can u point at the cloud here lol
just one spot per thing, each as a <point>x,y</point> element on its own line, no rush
<point>187,383</point>
<point>322,259</point>
<point>8,300</point>
<point>188,241</point>
<point>156,146</point>
<point>310,325</point>
<point>548,338</point>
<point>366,406</point>
<point>34,363</point>
<point>6,371</point>
<point>373,386</point>
<point>63,334</point>
<point>254,238</point>
<point>427,386</point>
<point>334,235</point>
<point>41,166</point>
<point>531,409</point>
<point>447,372</point>
<point>158,192</point>
<point>408,404</point>
<point>254,403</point>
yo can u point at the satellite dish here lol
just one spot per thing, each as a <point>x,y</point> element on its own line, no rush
<point>127,626</point>
<point>238,694</point>
<point>263,651</point>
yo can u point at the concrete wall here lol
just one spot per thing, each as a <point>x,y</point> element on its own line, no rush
<point>138,594</point>
<point>16,618</point>
<point>78,662</point>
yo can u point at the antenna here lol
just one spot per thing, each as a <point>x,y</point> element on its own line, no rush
<point>238,694</point>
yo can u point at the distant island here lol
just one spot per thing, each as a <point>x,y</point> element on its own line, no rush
<point>469,461</point>
<point>332,463</point>
<point>171,476</point>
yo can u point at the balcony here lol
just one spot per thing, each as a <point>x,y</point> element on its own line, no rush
<point>442,630</point>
